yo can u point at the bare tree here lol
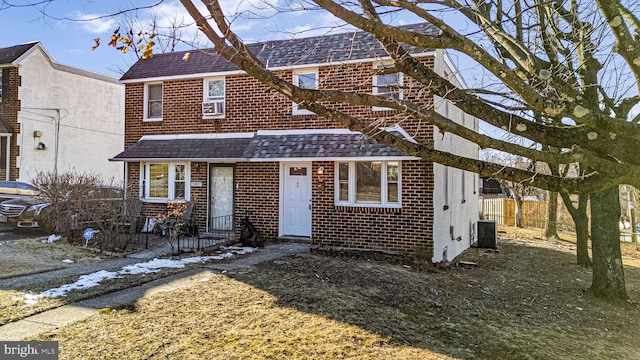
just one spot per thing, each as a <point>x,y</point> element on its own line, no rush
<point>574,60</point>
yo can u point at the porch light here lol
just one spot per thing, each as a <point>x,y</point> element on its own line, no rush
<point>320,170</point>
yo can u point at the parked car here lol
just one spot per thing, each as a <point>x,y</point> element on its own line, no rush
<point>29,211</point>
<point>25,210</point>
<point>14,189</point>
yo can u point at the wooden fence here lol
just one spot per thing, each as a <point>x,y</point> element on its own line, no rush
<point>503,212</point>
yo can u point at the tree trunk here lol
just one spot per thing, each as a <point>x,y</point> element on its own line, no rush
<point>551,227</point>
<point>608,272</point>
<point>518,212</point>
<point>581,221</point>
<point>582,231</point>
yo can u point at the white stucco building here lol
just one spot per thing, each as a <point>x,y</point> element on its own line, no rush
<point>57,118</point>
<point>456,191</point>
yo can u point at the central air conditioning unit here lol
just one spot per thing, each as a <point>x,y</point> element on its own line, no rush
<point>213,108</point>
<point>487,234</point>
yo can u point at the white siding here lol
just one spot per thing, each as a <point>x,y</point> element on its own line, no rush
<point>90,116</point>
<point>454,225</point>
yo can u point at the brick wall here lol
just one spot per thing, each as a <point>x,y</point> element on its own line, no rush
<point>257,196</point>
<point>9,112</point>
<point>251,106</point>
<point>405,230</point>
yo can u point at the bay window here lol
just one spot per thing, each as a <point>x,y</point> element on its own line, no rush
<point>165,181</point>
<point>368,183</point>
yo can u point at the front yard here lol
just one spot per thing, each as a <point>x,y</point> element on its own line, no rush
<point>30,256</point>
<point>526,301</point>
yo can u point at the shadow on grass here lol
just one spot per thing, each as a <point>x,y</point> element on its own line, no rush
<point>523,302</point>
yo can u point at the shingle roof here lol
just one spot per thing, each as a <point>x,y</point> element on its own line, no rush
<point>317,146</point>
<point>261,147</point>
<point>277,53</point>
<point>227,148</point>
<point>10,54</point>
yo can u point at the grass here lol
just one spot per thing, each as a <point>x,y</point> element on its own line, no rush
<point>13,306</point>
<point>525,301</point>
<point>22,257</point>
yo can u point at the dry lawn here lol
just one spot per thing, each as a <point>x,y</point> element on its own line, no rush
<point>525,301</point>
<point>21,257</point>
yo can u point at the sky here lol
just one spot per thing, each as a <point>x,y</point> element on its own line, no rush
<point>67,28</point>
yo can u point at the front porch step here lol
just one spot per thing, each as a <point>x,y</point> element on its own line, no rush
<point>295,239</point>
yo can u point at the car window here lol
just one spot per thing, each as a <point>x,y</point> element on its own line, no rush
<point>27,189</point>
<point>109,193</point>
<point>8,187</point>
<point>25,186</point>
<point>17,188</point>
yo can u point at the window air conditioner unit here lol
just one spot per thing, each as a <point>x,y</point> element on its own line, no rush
<point>213,108</point>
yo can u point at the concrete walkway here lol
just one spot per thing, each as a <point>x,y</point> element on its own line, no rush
<point>49,320</point>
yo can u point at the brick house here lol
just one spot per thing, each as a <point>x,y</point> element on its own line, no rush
<point>46,121</point>
<point>203,130</point>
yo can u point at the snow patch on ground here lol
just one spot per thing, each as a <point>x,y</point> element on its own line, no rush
<point>94,279</point>
<point>51,239</point>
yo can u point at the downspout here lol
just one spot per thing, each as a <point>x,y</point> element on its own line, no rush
<point>57,141</point>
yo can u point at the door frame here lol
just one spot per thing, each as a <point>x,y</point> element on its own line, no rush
<point>210,166</point>
<point>281,222</point>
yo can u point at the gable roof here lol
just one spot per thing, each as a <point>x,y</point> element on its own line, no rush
<point>13,55</point>
<point>10,54</point>
<point>343,47</point>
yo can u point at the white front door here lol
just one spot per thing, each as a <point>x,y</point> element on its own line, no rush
<point>296,199</point>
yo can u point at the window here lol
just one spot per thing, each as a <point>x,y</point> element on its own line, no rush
<point>153,102</point>
<point>306,79</point>
<point>166,181</point>
<point>368,183</point>
<point>214,96</point>
<point>387,85</point>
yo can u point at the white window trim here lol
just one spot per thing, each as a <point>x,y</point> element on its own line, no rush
<point>205,95</point>
<point>146,117</point>
<point>296,81</point>
<point>145,183</point>
<point>376,66</point>
<point>352,187</point>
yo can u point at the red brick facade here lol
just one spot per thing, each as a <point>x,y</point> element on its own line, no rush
<point>9,112</point>
<point>251,106</point>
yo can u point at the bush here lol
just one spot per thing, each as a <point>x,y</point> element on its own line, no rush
<point>78,201</point>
